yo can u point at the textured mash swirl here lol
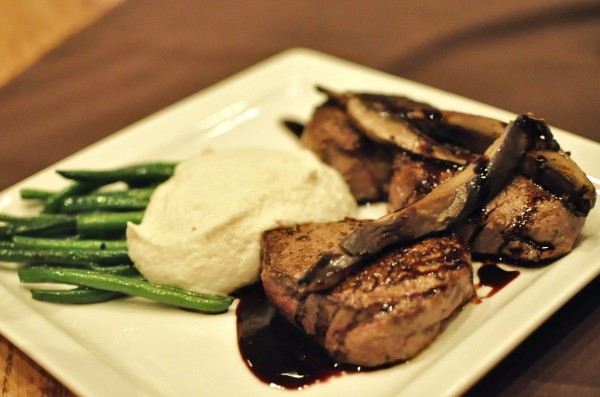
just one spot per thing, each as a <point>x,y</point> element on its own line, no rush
<point>202,228</point>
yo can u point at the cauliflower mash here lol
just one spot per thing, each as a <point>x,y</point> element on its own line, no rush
<point>202,228</point>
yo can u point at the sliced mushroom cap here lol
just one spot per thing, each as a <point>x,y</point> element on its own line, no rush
<point>550,167</point>
<point>540,134</point>
<point>446,205</point>
<point>556,172</point>
<point>388,119</point>
<point>450,202</point>
<point>395,103</point>
<point>487,127</point>
<point>418,128</point>
<point>472,132</point>
<point>382,126</point>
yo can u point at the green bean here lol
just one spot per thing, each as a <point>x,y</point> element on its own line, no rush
<point>87,224</point>
<point>131,199</point>
<point>128,285</point>
<point>79,295</point>
<point>134,174</point>
<point>35,194</point>
<point>106,222</point>
<point>7,218</point>
<point>84,295</point>
<point>53,203</point>
<point>64,256</point>
<point>36,225</point>
<point>58,243</point>
<point>100,269</point>
<point>122,269</point>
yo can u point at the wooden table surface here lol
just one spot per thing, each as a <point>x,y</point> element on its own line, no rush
<point>144,55</point>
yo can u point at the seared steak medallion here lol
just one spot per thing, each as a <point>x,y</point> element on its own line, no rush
<point>538,214</point>
<point>388,311</point>
<point>523,223</point>
<point>365,166</point>
<point>412,179</point>
<point>378,292</point>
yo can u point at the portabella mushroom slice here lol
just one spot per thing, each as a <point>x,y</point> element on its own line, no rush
<point>545,163</point>
<point>387,119</point>
<point>420,125</point>
<point>381,125</point>
<point>553,169</point>
<point>472,132</point>
<point>448,204</point>
<point>560,175</point>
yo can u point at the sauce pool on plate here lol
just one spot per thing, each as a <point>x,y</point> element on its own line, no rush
<point>283,357</point>
<point>493,276</point>
<point>275,351</point>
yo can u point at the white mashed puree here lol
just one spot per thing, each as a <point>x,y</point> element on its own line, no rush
<point>202,228</point>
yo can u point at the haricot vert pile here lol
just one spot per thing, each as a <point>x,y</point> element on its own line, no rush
<point>79,239</point>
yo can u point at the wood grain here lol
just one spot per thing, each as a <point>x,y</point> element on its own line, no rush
<point>22,377</point>
<point>29,28</point>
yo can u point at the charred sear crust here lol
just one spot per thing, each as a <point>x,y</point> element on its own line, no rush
<point>388,311</point>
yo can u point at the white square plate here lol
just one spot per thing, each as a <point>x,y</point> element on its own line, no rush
<point>135,347</point>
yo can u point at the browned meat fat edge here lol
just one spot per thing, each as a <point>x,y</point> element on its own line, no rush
<point>387,312</point>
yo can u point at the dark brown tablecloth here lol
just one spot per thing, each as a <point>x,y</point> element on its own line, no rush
<point>527,55</point>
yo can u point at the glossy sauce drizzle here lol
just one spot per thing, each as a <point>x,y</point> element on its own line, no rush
<point>494,277</point>
<point>282,356</point>
<point>275,351</point>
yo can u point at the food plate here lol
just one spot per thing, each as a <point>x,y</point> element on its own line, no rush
<point>135,347</point>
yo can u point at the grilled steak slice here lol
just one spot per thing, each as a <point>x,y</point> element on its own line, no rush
<point>365,165</point>
<point>524,223</point>
<point>449,204</point>
<point>412,179</point>
<point>387,312</point>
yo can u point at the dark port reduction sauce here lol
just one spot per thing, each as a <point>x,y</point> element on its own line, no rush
<point>493,276</point>
<point>281,356</point>
<point>275,351</point>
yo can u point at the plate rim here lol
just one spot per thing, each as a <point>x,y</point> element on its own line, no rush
<point>13,332</point>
